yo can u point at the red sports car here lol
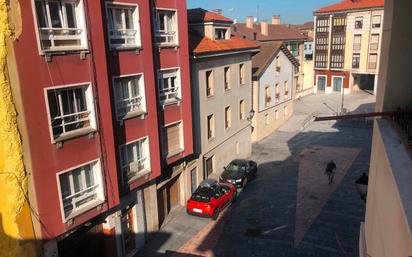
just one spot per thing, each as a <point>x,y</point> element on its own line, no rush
<point>210,198</point>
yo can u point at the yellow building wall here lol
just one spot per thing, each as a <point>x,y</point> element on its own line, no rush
<point>16,230</point>
<point>366,32</point>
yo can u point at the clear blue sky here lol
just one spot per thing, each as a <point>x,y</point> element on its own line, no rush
<point>291,11</point>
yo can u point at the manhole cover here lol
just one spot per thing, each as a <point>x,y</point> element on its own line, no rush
<point>253,232</point>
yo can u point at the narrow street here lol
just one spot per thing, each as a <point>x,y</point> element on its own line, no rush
<point>290,209</point>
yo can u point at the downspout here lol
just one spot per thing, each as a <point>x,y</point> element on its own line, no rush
<point>16,230</point>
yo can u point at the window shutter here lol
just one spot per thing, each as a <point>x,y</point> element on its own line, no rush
<point>172,138</point>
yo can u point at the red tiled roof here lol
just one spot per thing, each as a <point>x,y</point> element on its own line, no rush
<point>266,54</point>
<point>204,45</point>
<point>200,15</point>
<point>352,5</point>
<point>281,32</point>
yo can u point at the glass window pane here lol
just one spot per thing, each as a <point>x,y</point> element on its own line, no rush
<point>81,103</point>
<point>65,185</point>
<point>55,8</point>
<point>41,16</point>
<point>77,180</point>
<point>128,19</point>
<point>71,15</point>
<point>89,176</point>
<point>119,22</point>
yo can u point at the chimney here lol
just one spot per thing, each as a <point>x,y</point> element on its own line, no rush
<point>264,28</point>
<point>276,20</point>
<point>218,11</point>
<point>249,22</point>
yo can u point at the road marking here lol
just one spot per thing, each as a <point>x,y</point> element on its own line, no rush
<point>274,229</point>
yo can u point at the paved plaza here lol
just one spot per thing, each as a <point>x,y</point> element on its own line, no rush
<point>290,209</point>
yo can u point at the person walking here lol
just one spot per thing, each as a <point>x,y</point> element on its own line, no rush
<point>330,170</point>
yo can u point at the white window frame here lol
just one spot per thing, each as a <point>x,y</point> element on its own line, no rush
<point>80,31</point>
<point>98,186</point>
<point>221,28</point>
<point>145,159</point>
<point>173,33</point>
<point>169,73</point>
<point>124,33</point>
<point>181,138</point>
<point>380,21</point>
<point>90,110</point>
<point>228,117</point>
<point>140,100</point>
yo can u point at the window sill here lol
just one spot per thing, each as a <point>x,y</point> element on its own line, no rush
<point>171,102</point>
<point>174,153</point>
<point>131,115</point>
<point>126,48</point>
<point>228,90</point>
<point>163,45</point>
<point>64,50</point>
<point>73,134</point>
<point>84,209</point>
<point>139,175</point>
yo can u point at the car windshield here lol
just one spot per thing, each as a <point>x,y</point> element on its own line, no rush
<point>236,167</point>
<point>202,195</point>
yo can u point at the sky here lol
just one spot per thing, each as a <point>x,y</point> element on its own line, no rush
<point>291,11</point>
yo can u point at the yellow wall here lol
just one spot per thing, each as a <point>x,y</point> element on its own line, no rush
<point>16,231</point>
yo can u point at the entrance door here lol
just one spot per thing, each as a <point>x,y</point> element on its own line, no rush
<point>321,83</point>
<point>128,232</point>
<point>168,198</point>
<point>337,83</point>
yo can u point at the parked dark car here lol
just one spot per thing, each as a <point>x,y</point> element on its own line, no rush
<point>210,198</point>
<point>239,172</point>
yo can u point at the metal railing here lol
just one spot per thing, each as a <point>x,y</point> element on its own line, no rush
<point>403,118</point>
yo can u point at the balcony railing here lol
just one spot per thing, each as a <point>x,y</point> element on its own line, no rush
<point>403,118</point>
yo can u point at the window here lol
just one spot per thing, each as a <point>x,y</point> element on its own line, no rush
<point>286,110</point>
<point>228,118</point>
<point>130,96</point>
<point>276,114</point>
<point>339,23</point>
<point>169,83</point>
<point>286,87</point>
<point>277,66</point>
<point>242,78</point>
<point>338,42</point>
<point>267,96</point>
<point>355,61</point>
<point>135,159</point>
<point>242,109</point>
<point>70,110</point>
<point>358,22</point>
<point>376,21</point>
<point>210,126</point>
<point>266,119</point>
<point>357,39</point>
<point>320,60</point>
<point>220,34</point>
<point>322,24</point>
<point>123,26</point>
<point>172,139</point>
<point>61,25</point>
<point>373,59</point>
<point>336,61</point>
<point>193,180</point>
<point>81,189</point>
<point>228,79</point>
<point>237,148</point>
<point>374,45</point>
<point>166,32</point>
<point>322,43</point>
<point>210,90</point>
<point>277,91</point>
<point>209,169</point>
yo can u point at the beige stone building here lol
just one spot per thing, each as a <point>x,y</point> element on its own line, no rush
<point>272,95</point>
<point>221,73</point>
<point>347,46</point>
<point>388,219</point>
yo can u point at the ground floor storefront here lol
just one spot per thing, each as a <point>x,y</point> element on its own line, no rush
<point>336,81</point>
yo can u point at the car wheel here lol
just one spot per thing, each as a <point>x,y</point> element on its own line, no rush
<point>244,184</point>
<point>215,214</point>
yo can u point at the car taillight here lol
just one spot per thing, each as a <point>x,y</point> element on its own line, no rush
<point>210,206</point>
